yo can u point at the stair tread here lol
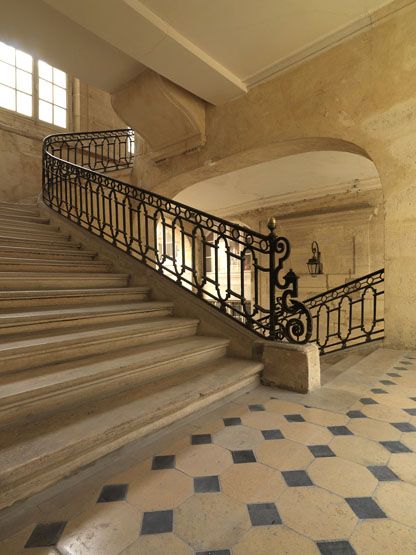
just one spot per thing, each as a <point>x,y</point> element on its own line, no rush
<point>84,426</point>
<point>19,250</point>
<point>63,275</point>
<point>58,293</point>
<point>34,382</point>
<point>49,261</point>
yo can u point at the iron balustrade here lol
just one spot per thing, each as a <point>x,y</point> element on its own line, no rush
<point>349,315</point>
<point>174,239</point>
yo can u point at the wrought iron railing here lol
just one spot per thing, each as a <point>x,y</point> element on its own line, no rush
<point>348,315</point>
<point>237,270</point>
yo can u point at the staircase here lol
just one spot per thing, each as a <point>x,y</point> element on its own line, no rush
<point>88,363</point>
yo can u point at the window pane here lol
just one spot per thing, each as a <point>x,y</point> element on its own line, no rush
<point>45,90</point>
<point>24,61</point>
<point>45,70</point>
<point>24,103</point>
<point>7,98</point>
<point>7,53</point>
<point>59,96</point>
<point>59,78</point>
<point>45,111</point>
<point>7,74</point>
<point>59,116</point>
<point>24,81</point>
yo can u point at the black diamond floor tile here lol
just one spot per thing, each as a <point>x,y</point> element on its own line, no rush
<point>46,534</point>
<point>232,421</point>
<point>365,507</point>
<point>395,446</point>
<point>163,462</point>
<point>387,382</point>
<point>201,439</point>
<point>296,478</point>
<point>340,431</point>
<point>214,552</point>
<point>263,514</point>
<point>321,451</point>
<point>356,414</point>
<point>368,401</point>
<point>294,418</point>
<point>113,492</point>
<point>341,547</point>
<point>404,426</point>
<point>394,375</point>
<point>206,484</point>
<point>401,368</point>
<point>404,362</point>
<point>383,473</point>
<point>157,522</point>
<point>412,398</point>
<point>256,408</point>
<point>378,391</point>
<point>412,412</point>
<point>272,434</point>
<point>244,456</point>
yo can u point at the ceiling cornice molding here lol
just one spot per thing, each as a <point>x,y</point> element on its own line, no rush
<point>331,40</point>
<point>339,188</point>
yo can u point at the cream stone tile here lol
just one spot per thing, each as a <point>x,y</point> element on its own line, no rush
<point>15,545</point>
<point>173,447</point>
<point>107,529</point>
<point>210,426</point>
<point>284,407</point>
<point>263,420</point>
<point>260,394</point>
<point>267,540</point>
<point>284,454</point>
<point>345,478</point>
<point>211,521</point>
<point>71,502</point>
<point>316,513</point>
<point>203,460</point>
<point>404,465</point>
<point>398,500</point>
<point>324,417</point>
<point>385,413</point>
<point>306,433</point>
<point>360,450</point>
<point>161,489</point>
<point>374,429</point>
<point>379,536</point>
<point>158,544</point>
<point>410,441</point>
<point>238,437</point>
<point>252,483</point>
<point>394,400</point>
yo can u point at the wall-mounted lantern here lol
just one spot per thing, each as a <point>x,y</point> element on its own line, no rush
<point>314,263</point>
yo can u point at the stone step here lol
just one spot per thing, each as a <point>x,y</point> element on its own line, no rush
<point>13,223</point>
<point>19,210</point>
<point>22,205</point>
<point>16,281</point>
<point>40,252</point>
<point>71,297</point>
<point>13,264</point>
<point>29,233</point>
<point>22,352</point>
<point>31,394</point>
<point>5,213</point>
<point>54,242</point>
<point>39,454</point>
<point>35,320</point>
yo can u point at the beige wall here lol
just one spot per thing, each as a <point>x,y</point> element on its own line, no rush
<point>21,139</point>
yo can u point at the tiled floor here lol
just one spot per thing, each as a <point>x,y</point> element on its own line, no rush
<point>263,475</point>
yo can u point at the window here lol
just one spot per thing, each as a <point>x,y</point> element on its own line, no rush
<point>21,81</point>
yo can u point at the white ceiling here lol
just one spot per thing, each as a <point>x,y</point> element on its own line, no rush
<point>213,48</point>
<point>282,180</point>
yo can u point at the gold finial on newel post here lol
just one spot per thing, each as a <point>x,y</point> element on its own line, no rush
<point>271,224</point>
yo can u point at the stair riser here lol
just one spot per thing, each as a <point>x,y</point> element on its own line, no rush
<point>54,282</point>
<point>16,212</point>
<point>48,470</point>
<point>11,223</point>
<point>31,357</point>
<point>11,240</point>
<point>32,233</point>
<point>68,255</point>
<point>42,266</point>
<point>82,322</point>
<point>71,300</point>
<point>51,400</point>
<point>23,217</point>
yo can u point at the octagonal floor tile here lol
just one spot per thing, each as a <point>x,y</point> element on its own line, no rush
<point>263,420</point>
<point>252,483</point>
<point>162,489</point>
<point>284,407</point>
<point>316,513</point>
<point>374,429</point>
<point>360,450</point>
<point>213,521</point>
<point>265,540</point>
<point>345,478</point>
<point>383,536</point>
<point>157,544</point>
<point>306,433</point>
<point>285,455</point>
<point>398,500</point>
<point>325,417</point>
<point>238,437</point>
<point>203,460</point>
<point>386,413</point>
<point>404,465</point>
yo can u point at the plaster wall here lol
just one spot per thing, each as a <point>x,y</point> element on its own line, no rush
<point>358,97</point>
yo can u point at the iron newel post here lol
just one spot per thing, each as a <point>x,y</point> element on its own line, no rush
<point>271,224</point>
